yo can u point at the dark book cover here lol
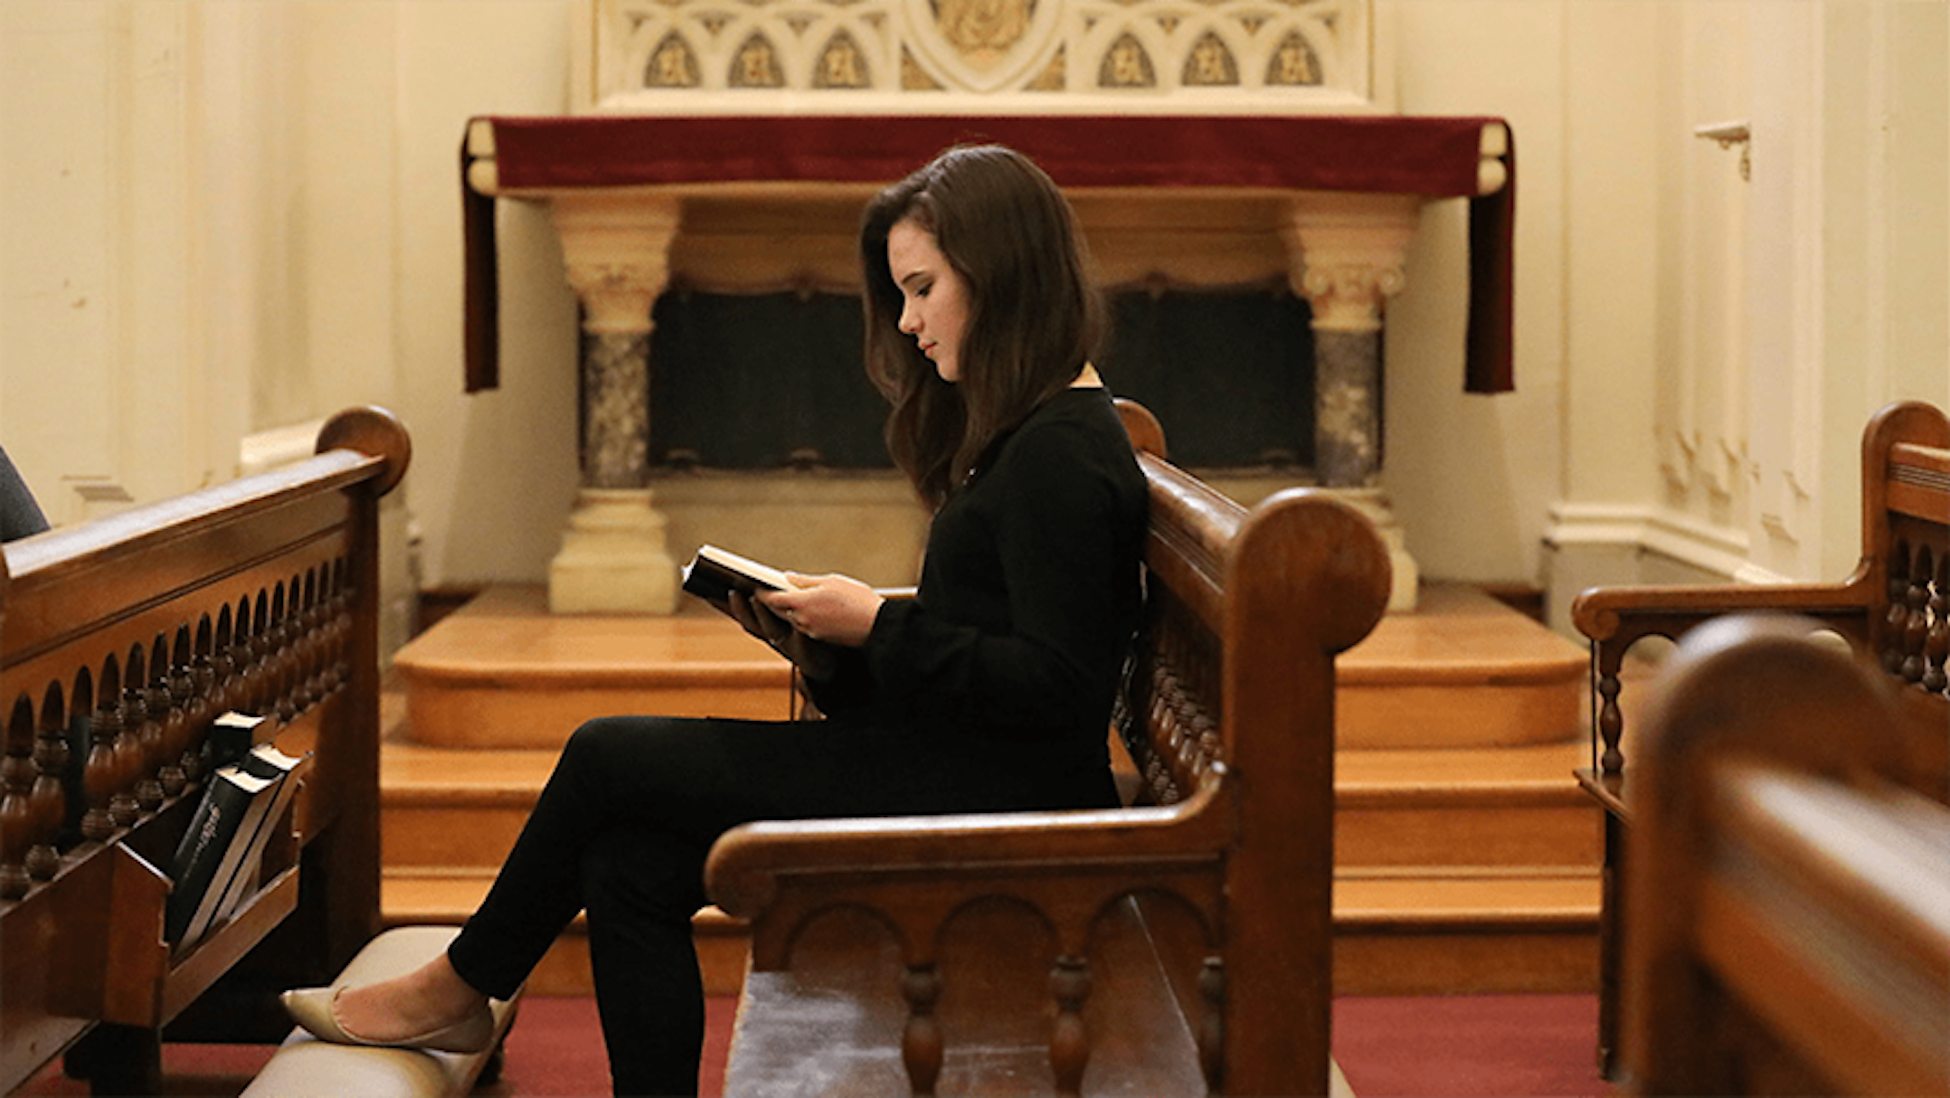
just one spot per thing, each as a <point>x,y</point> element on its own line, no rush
<point>714,573</point>
<point>263,761</point>
<point>227,800</point>
<point>231,736</point>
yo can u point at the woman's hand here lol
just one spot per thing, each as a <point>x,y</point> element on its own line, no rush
<point>835,609</point>
<point>759,621</point>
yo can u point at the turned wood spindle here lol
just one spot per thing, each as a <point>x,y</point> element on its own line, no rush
<point>1937,646</point>
<point>173,730</point>
<point>1916,632</point>
<point>1611,723</point>
<point>199,709</point>
<point>1069,1043</point>
<point>921,1038</point>
<point>98,776</point>
<point>147,733</point>
<point>16,818</point>
<point>1212,1025</point>
<point>49,799</point>
<point>124,754</point>
<point>1895,622</point>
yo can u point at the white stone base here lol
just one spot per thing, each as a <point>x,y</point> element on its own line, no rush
<point>614,557</point>
<point>1374,503</point>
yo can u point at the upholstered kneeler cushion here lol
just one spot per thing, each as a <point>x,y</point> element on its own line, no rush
<point>304,1066</point>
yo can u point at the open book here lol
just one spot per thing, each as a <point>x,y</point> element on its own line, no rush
<point>714,573</point>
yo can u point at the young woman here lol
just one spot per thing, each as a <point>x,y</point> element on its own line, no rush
<point>990,690</point>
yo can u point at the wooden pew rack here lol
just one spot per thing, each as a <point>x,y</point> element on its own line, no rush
<point>1182,945</point>
<point>1892,611</point>
<point>121,640</point>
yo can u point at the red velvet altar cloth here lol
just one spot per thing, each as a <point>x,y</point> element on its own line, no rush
<point>1436,157</point>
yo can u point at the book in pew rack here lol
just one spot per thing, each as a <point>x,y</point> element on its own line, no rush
<point>215,866</point>
<point>263,761</point>
<point>233,801</point>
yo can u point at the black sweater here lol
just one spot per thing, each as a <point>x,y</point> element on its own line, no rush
<point>1028,597</point>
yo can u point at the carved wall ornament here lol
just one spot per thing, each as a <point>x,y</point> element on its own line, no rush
<point>983,29</point>
<point>1313,53</point>
<point>1127,65</point>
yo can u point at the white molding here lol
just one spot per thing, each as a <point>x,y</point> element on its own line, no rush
<point>1708,547</point>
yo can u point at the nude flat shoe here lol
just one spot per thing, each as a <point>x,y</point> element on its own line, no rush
<point>313,1008</point>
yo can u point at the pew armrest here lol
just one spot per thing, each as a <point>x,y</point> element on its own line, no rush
<point>919,869</point>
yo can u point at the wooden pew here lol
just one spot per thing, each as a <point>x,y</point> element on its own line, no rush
<point>1789,891</point>
<point>121,640</point>
<point>1179,946</point>
<point>1890,610</point>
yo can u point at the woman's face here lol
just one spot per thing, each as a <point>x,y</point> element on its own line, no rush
<point>934,299</point>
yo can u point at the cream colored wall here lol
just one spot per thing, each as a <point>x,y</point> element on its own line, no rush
<point>221,219</point>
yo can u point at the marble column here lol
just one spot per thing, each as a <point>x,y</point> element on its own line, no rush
<point>614,556</point>
<point>1346,255</point>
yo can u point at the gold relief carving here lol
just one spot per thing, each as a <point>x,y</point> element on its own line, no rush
<point>1307,49</point>
<point>982,29</point>
<point>1053,76</point>
<point>672,65</point>
<point>914,77</point>
<point>1211,63</point>
<point>1294,64</point>
<point>757,65</point>
<point>841,65</point>
<point>1126,65</point>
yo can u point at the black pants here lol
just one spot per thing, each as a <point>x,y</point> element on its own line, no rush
<point>623,826</point>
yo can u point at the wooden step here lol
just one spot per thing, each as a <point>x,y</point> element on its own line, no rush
<point>503,672</point>
<point>1510,807</point>
<point>1449,932</point>
<point>1463,670</point>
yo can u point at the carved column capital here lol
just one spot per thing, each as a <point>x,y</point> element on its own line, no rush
<point>616,249</point>
<point>1347,255</point>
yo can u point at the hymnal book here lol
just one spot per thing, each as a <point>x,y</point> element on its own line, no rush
<point>714,573</point>
<point>211,847</point>
<point>231,736</point>
<point>264,761</point>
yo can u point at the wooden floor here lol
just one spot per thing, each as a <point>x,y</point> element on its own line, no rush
<point>1467,858</point>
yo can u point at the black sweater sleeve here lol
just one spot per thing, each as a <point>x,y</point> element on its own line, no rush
<point>1029,594</point>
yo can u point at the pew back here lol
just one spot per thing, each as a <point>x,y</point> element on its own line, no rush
<point>1790,898</point>
<point>1893,610</point>
<point>1014,956</point>
<point>121,641</point>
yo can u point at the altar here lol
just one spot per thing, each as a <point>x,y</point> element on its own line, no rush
<point>748,188</point>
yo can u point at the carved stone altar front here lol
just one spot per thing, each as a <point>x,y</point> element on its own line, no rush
<point>726,86</point>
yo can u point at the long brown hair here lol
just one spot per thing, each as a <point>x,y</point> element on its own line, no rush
<point>1033,317</point>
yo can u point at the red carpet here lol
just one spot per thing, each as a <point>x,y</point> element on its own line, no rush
<point>1467,1045</point>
